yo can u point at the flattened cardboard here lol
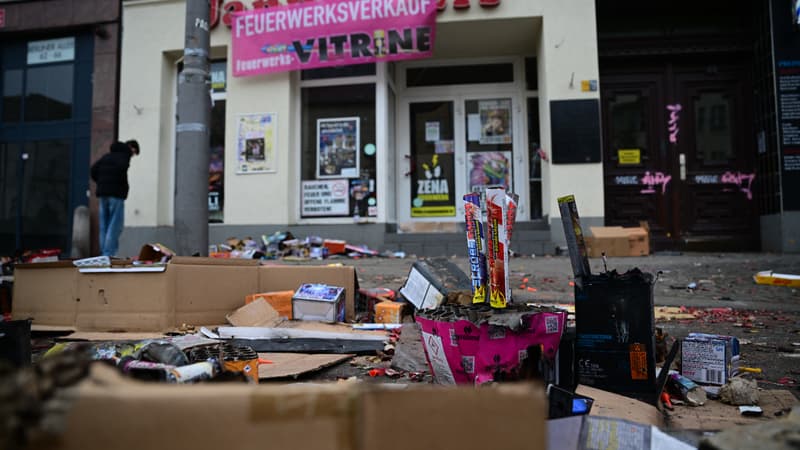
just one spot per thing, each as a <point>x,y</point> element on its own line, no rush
<point>258,313</point>
<point>336,416</point>
<point>103,336</point>
<point>505,417</point>
<point>608,404</point>
<point>285,365</point>
<point>289,278</point>
<point>46,292</point>
<point>197,291</point>
<point>206,293</point>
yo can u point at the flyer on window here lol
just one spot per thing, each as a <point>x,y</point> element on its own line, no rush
<point>255,146</point>
<point>495,119</point>
<point>489,169</point>
<point>337,147</point>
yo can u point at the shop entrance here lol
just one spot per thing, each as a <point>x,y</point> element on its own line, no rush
<point>679,146</point>
<point>455,145</point>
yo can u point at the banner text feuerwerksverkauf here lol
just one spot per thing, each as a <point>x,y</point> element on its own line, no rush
<point>331,33</point>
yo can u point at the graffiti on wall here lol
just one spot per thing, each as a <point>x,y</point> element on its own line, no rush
<point>674,117</point>
<point>744,181</point>
<point>651,180</point>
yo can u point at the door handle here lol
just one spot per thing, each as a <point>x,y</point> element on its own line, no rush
<point>682,162</point>
<point>410,165</point>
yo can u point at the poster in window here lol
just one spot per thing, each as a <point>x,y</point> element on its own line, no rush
<point>337,147</point>
<point>489,169</point>
<point>216,174</point>
<point>433,186</point>
<point>495,117</point>
<point>255,146</point>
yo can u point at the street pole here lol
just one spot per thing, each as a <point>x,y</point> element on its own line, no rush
<point>191,154</point>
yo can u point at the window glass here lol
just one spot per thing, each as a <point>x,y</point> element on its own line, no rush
<point>12,95</point>
<point>531,74</point>
<point>216,164</point>
<point>628,128</point>
<point>449,75</point>
<point>49,92</point>
<point>358,70</point>
<point>535,153</point>
<point>713,134</point>
<point>489,135</point>
<point>219,76</point>
<point>338,152</point>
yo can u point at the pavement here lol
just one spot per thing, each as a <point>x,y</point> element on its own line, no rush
<point>725,299</point>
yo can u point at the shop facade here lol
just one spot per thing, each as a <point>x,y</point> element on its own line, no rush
<point>381,153</point>
<point>59,76</point>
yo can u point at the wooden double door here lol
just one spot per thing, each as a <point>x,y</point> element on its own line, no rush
<point>679,151</point>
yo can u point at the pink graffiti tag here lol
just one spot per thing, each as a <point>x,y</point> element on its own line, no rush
<point>674,116</point>
<point>740,179</point>
<point>651,180</point>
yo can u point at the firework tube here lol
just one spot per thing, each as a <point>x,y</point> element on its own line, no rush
<point>497,256</point>
<point>512,200</point>
<point>476,247</point>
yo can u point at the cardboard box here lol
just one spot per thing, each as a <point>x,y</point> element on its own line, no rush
<point>618,241</point>
<point>709,358</point>
<point>318,303</point>
<point>108,411</point>
<point>281,301</point>
<point>198,291</point>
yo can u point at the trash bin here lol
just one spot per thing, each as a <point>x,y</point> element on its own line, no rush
<point>15,342</point>
<point>615,326</point>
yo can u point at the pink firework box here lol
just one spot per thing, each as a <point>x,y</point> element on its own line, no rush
<point>464,353</point>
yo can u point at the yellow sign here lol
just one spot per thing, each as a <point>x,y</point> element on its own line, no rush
<point>629,156</point>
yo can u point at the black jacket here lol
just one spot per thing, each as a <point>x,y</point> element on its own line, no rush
<point>111,172</point>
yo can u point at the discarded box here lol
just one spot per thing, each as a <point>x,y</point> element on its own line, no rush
<point>191,290</point>
<point>618,241</point>
<point>334,246</point>
<point>709,358</point>
<point>431,280</point>
<point>281,301</point>
<point>389,312</point>
<point>340,416</point>
<point>615,326</point>
<point>318,302</point>
<point>472,345</point>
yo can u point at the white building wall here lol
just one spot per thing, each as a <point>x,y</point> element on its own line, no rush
<point>152,41</point>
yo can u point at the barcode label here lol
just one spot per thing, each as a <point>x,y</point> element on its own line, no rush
<point>713,376</point>
<point>468,364</point>
<point>522,355</point>
<point>453,338</point>
<point>551,324</point>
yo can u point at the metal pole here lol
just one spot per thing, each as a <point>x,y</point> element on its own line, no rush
<point>191,155</point>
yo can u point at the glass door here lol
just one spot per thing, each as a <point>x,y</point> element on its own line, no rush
<point>432,165</point>
<point>489,137</point>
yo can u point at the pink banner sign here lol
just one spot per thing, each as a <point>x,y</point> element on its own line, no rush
<point>331,33</point>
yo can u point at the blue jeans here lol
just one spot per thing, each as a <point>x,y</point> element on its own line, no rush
<point>112,219</point>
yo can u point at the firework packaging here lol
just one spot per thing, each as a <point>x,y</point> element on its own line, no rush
<point>476,247</point>
<point>497,256</point>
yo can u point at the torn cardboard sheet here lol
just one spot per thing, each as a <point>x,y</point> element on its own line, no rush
<point>608,404</point>
<point>257,313</point>
<point>285,365</point>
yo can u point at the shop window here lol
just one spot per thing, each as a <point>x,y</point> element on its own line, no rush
<point>472,74</point>
<point>536,154</point>
<point>49,92</point>
<point>338,152</point>
<point>12,95</point>
<point>216,160</point>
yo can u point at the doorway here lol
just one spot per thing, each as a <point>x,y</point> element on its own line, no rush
<point>456,144</point>
<point>679,152</point>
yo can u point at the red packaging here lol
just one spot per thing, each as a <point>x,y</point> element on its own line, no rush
<point>497,240</point>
